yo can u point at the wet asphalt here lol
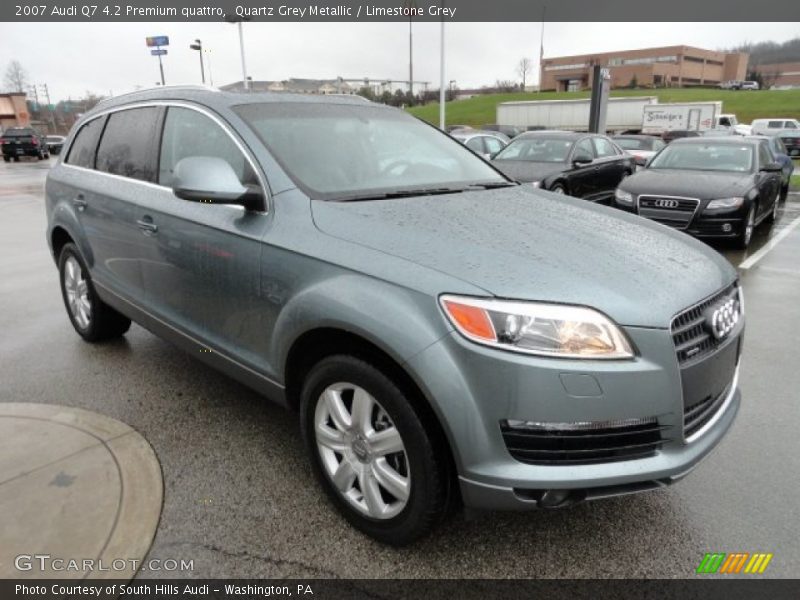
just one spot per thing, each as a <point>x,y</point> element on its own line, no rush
<point>240,500</point>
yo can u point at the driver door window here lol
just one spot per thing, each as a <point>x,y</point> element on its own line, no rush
<point>191,133</point>
<point>583,148</point>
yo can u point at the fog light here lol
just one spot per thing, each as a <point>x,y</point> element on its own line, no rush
<point>726,227</point>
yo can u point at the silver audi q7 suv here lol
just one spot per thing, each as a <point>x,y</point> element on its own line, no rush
<point>445,334</point>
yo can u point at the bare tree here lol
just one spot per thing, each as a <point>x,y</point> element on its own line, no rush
<point>524,68</point>
<point>16,77</point>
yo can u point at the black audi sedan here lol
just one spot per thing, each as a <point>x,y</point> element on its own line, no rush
<point>583,165</point>
<point>707,187</point>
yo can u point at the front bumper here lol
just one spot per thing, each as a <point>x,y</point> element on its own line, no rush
<point>717,225</point>
<point>476,388</point>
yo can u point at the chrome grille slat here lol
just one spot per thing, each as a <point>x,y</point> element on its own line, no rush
<point>678,217</point>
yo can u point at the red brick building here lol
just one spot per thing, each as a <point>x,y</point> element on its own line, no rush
<point>668,66</point>
<point>779,74</point>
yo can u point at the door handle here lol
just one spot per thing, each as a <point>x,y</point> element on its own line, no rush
<point>147,225</point>
<point>80,202</point>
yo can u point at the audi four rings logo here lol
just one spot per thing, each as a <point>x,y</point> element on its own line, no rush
<point>665,203</point>
<point>724,318</point>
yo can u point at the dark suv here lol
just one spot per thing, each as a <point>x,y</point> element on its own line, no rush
<point>23,141</point>
<point>443,332</point>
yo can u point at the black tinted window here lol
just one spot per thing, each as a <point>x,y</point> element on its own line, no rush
<point>82,152</point>
<point>128,147</point>
<point>190,133</point>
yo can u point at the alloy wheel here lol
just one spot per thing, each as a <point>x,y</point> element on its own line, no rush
<point>361,451</point>
<point>750,225</point>
<point>77,290</point>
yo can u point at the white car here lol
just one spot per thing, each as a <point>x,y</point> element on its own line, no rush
<point>773,126</point>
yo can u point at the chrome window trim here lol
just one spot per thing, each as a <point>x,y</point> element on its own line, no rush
<point>180,104</point>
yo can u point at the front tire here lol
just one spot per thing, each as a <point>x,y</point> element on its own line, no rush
<point>92,318</point>
<point>370,451</point>
<point>749,225</point>
<point>558,188</point>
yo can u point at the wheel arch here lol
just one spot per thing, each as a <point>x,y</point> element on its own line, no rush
<point>316,344</point>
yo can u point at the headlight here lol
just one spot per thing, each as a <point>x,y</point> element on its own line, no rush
<point>623,197</point>
<point>725,203</point>
<point>535,183</point>
<point>536,328</point>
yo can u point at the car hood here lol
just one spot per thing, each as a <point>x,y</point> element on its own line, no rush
<point>704,185</point>
<point>525,244</point>
<point>525,170</point>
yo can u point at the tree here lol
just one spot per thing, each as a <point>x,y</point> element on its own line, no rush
<point>505,86</point>
<point>634,83</point>
<point>524,68</point>
<point>16,77</point>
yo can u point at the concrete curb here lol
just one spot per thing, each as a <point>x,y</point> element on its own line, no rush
<point>77,486</point>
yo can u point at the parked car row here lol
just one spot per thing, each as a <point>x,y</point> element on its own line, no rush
<point>720,186</point>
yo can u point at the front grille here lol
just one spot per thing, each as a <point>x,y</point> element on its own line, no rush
<point>691,338</point>
<point>582,443</point>
<point>675,212</point>
<point>700,413</point>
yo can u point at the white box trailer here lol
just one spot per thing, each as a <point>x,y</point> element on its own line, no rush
<point>693,116</point>
<point>624,114</point>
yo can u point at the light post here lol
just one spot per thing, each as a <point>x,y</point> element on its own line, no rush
<point>238,21</point>
<point>198,45</point>
<point>208,62</point>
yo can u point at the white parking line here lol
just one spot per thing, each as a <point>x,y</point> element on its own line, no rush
<point>763,251</point>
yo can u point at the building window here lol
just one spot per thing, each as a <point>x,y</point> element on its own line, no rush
<point>618,62</point>
<point>566,67</point>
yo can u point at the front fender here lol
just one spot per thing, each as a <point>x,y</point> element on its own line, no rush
<point>400,321</point>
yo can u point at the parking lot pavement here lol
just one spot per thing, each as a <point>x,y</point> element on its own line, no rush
<point>240,500</point>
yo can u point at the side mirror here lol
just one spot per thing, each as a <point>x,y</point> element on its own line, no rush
<point>772,167</point>
<point>581,159</point>
<point>210,180</point>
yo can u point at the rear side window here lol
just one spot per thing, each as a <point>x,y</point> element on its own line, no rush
<point>775,124</point>
<point>82,151</point>
<point>493,145</point>
<point>475,144</point>
<point>129,144</point>
<point>604,148</point>
<point>187,133</point>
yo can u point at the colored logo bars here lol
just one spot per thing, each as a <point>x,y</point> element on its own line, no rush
<point>735,562</point>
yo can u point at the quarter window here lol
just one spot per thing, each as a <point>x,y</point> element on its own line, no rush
<point>188,133</point>
<point>83,149</point>
<point>128,147</point>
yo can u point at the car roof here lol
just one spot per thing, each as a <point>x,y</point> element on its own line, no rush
<point>217,99</point>
<point>733,140</point>
<point>552,133</point>
<point>634,136</point>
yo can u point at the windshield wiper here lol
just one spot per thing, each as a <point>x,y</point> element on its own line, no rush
<point>399,194</point>
<point>490,185</point>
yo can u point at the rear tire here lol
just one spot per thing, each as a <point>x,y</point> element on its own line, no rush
<point>394,496</point>
<point>773,214</point>
<point>93,319</point>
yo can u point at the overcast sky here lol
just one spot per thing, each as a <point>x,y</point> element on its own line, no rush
<point>112,58</point>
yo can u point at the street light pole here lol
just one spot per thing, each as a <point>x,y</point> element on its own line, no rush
<point>241,50</point>
<point>441,78</point>
<point>198,45</point>
<point>208,62</point>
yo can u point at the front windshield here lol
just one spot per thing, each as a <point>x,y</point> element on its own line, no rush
<point>737,158</point>
<point>343,151</point>
<point>537,149</point>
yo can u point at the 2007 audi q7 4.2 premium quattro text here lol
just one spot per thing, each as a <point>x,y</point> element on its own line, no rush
<point>444,333</point>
